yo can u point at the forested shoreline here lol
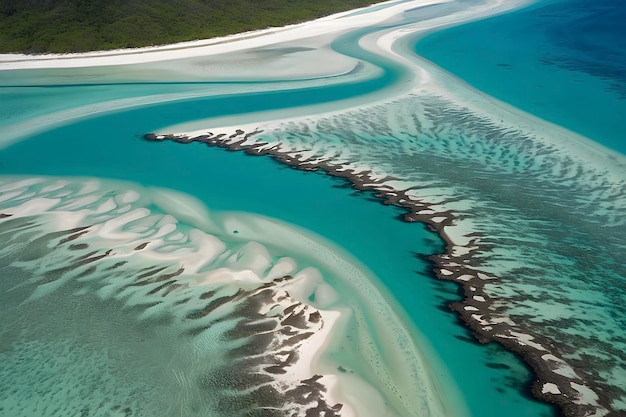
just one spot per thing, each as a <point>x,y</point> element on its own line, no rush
<point>63,26</point>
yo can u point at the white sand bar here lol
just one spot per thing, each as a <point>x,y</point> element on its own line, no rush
<point>333,24</point>
<point>283,55</point>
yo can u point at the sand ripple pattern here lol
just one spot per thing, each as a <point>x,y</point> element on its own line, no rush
<point>534,218</point>
<point>229,299</point>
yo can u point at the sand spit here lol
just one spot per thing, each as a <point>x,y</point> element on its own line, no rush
<point>334,24</point>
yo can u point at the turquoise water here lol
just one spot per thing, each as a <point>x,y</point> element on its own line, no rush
<point>562,60</point>
<point>548,216</point>
<point>232,181</point>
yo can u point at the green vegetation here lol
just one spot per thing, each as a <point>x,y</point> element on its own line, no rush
<point>40,26</point>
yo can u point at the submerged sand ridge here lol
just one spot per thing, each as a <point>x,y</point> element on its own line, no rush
<point>235,288</point>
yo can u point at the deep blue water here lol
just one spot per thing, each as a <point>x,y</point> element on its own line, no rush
<point>562,60</point>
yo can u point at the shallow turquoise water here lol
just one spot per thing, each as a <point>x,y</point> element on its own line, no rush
<point>234,181</point>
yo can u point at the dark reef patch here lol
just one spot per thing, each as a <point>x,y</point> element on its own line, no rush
<point>541,354</point>
<point>261,348</point>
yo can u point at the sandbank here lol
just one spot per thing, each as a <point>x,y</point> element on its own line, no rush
<point>332,24</point>
<point>382,43</point>
<point>121,223</point>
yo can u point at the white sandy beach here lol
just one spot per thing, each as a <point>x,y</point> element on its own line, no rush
<point>301,54</point>
<point>316,34</point>
<point>330,25</point>
<point>293,53</point>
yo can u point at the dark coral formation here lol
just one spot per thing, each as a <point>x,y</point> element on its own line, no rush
<point>256,378</point>
<point>540,353</point>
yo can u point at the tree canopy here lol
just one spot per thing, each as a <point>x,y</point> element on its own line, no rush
<point>41,26</point>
